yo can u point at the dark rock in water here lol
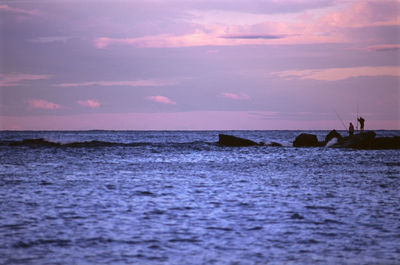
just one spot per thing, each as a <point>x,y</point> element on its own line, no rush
<point>229,140</point>
<point>275,144</point>
<point>368,140</point>
<point>364,140</point>
<point>387,142</point>
<point>333,134</point>
<point>307,140</point>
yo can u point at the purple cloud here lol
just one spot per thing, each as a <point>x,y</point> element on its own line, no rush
<point>253,36</point>
<point>7,8</point>
<point>90,103</point>
<point>161,99</point>
<point>235,96</point>
<point>16,79</point>
<point>42,104</point>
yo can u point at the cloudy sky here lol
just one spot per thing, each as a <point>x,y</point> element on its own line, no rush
<point>200,64</point>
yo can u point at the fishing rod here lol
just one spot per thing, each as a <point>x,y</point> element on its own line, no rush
<point>344,126</point>
<point>357,117</point>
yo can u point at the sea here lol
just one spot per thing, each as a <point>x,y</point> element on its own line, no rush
<point>177,197</point>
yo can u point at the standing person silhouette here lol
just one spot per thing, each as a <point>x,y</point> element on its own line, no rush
<point>361,121</point>
<point>351,129</point>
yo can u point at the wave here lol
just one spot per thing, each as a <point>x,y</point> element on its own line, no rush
<point>41,142</point>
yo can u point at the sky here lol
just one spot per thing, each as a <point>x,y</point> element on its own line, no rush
<point>199,64</point>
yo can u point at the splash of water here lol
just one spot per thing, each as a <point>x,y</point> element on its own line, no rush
<point>331,142</point>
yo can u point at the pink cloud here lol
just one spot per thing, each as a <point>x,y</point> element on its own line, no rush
<point>234,96</point>
<point>331,25</point>
<point>363,13</point>
<point>197,38</point>
<point>253,36</point>
<point>91,103</point>
<point>7,8</point>
<point>42,104</point>
<point>15,79</point>
<point>161,99</point>
<point>134,83</point>
<point>208,35</point>
<point>203,35</point>
<point>214,35</point>
<point>335,74</point>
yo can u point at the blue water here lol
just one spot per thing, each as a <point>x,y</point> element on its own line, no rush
<point>111,197</point>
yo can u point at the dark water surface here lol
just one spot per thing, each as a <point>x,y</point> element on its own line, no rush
<point>103,197</point>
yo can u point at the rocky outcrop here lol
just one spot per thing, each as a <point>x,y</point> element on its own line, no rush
<point>358,141</point>
<point>368,140</point>
<point>307,140</point>
<point>387,142</point>
<point>365,140</point>
<point>229,140</point>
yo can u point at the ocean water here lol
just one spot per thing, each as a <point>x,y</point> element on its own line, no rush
<point>176,197</point>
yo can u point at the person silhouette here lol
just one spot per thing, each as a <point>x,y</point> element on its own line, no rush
<point>361,121</point>
<point>351,129</point>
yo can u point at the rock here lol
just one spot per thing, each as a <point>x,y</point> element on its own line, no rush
<point>387,143</point>
<point>368,140</point>
<point>333,134</point>
<point>306,140</point>
<point>274,144</point>
<point>364,140</point>
<point>229,140</point>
